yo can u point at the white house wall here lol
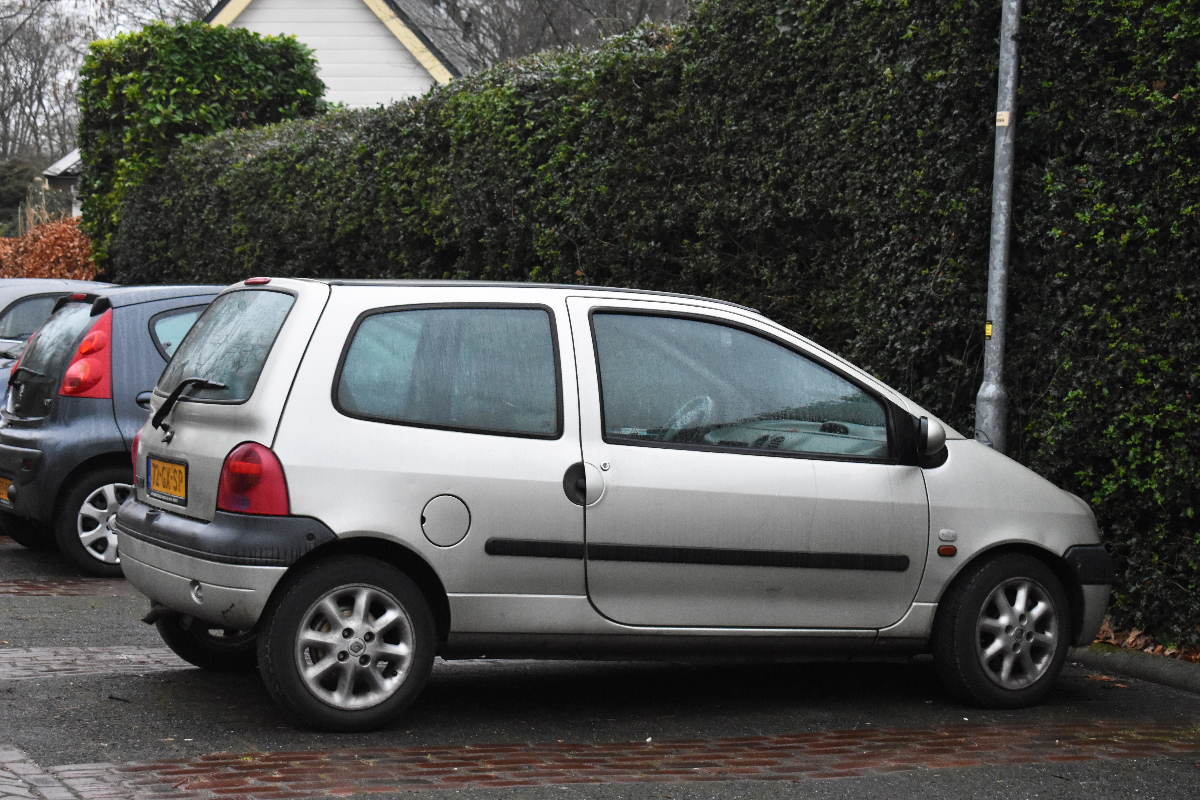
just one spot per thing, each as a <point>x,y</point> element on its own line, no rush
<point>362,63</point>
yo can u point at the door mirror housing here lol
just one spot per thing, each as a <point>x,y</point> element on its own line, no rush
<point>931,437</point>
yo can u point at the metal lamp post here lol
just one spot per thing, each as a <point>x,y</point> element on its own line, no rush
<point>991,404</point>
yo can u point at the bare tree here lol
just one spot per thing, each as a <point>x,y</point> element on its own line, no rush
<point>499,30</point>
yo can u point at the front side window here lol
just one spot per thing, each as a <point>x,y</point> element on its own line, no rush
<point>23,317</point>
<point>684,381</point>
<point>482,369</point>
<point>229,344</point>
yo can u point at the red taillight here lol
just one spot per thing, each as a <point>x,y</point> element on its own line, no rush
<point>90,371</point>
<point>137,439</point>
<point>252,482</point>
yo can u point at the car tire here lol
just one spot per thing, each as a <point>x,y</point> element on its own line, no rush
<point>84,523</point>
<point>1002,632</point>
<point>368,671</point>
<point>27,532</point>
<point>207,646</point>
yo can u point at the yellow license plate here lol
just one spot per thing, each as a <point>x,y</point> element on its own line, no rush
<point>4,484</point>
<point>167,480</point>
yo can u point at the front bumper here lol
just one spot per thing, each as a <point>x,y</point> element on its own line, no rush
<point>221,571</point>
<point>1093,571</point>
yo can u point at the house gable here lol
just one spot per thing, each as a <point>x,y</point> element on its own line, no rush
<point>369,51</point>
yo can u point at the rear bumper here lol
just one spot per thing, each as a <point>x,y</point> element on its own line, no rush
<point>221,571</point>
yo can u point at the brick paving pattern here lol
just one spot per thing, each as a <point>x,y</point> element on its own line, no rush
<point>67,587</point>
<point>20,777</point>
<point>794,757</point>
<point>18,663</point>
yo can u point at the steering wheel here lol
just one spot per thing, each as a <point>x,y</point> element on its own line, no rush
<point>692,414</point>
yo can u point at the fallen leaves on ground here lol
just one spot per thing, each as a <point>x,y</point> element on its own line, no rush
<point>1136,639</point>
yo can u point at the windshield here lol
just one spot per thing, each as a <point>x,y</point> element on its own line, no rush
<point>23,317</point>
<point>46,358</point>
<point>229,344</point>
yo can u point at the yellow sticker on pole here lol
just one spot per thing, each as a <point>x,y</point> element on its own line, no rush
<point>987,330</point>
<point>1001,119</point>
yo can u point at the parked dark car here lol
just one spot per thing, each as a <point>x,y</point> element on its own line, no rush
<point>26,303</point>
<point>76,399</point>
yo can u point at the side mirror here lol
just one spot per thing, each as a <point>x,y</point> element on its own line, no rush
<point>931,437</point>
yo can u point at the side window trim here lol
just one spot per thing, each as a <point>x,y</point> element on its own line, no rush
<point>554,344</point>
<point>887,406</point>
<point>171,312</point>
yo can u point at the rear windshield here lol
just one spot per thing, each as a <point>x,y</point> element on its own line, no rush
<point>229,344</point>
<point>46,358</point>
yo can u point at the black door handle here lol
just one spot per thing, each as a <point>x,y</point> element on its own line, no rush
<point>575,484</point>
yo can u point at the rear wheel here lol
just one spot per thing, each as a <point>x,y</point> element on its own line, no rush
<point>27,532</point>
<point>85,519</point>
<point>348,645</point>
<point>208,646</point>
<point>1002,632</point>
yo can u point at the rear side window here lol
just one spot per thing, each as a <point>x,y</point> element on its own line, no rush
<point>229,344</point>
<point>23,317</point>
<point>491,370</point>
<point>168,328</point>
<point>45,359</point>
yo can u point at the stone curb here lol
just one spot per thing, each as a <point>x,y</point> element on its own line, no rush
<point>1171,672</point>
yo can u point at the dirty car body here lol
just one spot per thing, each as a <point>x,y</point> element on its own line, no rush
<point>363,475</point>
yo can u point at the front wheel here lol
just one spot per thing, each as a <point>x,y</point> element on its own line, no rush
<point>207,646</point>
<point>348,645</point>
<point>1002,632</point>
<point>84,527</point>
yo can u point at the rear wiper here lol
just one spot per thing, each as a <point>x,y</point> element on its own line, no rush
<point>173,397</point>
<point>12,376</point>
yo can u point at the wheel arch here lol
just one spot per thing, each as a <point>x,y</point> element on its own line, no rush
<point>1056,563</point>
<point>400,557</point>
<point>92,464</point>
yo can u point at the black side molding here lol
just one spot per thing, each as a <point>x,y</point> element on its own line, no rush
<point>713,556</point>
<point>1092,565</point>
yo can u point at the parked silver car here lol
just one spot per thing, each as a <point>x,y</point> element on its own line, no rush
<point>341,480</point>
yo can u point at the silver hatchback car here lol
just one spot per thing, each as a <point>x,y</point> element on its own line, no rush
<point>341,480</point>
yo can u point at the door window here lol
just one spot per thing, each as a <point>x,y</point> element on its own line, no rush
<point>481,369</point>
<point>689,382</point>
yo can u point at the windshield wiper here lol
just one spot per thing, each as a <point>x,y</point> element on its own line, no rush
<point>173,397</point>
<point>12,376</point>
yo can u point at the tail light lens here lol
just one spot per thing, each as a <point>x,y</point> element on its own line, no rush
<point>90,371</point>
<point>137,439</point>
<point>252,482</point>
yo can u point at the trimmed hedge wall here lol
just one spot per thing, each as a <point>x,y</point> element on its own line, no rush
<point>826,162</point>
<point>143,93</point>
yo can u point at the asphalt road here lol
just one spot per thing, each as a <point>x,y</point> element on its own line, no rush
<point>83,680</point>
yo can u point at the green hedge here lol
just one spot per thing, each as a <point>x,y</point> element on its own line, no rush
<point>143,93</point>
<point>827,162</point>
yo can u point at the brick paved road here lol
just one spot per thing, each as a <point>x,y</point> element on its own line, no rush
<point>795,757</point>
<point>92,706</point>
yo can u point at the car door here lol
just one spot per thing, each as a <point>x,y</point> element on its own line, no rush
<point>735,480</point>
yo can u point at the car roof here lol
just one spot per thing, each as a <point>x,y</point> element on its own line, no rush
<point>517,285</point>
<point>132,295</point>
